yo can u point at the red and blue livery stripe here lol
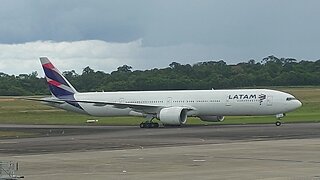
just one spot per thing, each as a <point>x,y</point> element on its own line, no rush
<point>58,85</point>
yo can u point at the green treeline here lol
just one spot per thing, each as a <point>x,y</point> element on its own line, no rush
<point>271,71</point>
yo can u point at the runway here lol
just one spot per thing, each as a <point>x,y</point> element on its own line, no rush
<point>192,152</point>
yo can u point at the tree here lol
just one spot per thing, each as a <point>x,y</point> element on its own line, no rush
<point>271,71</point>
<point>174,65</point>
<point>87,70</point>
<point>124,68</point>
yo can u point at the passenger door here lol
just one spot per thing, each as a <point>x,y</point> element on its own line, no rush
<point>269,100</point>
<point>228,101</point>
<point>169,101</point>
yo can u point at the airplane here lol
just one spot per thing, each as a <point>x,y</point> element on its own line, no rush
<point>169,107</point>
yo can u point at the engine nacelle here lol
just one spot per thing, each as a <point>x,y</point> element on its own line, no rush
<point>212,118</point>
<point>173,115</point>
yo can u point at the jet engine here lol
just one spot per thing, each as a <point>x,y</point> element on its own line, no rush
<point>173,115</point>
<point>212,118</point>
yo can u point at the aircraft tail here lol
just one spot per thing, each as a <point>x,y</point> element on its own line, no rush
<point>58,84</point>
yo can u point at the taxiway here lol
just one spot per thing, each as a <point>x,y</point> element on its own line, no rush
<point>192,152</point>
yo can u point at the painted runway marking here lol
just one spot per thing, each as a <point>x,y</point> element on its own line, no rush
<point>8,142</point>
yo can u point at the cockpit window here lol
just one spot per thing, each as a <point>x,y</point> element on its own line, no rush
<point>291,98</point>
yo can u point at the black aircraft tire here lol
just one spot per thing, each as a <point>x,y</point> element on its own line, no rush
<point>148,125</point>
<point>155,125</point>
<point>142,125</point>
<point>278,123</point>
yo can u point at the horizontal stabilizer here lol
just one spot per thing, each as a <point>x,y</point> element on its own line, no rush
<point>47,100</point>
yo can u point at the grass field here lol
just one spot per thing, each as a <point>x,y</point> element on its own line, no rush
<point>15,111</point>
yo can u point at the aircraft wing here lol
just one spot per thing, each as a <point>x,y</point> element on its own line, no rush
<point>143,108</point>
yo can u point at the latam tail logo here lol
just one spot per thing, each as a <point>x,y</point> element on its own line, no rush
<point>58,85</point>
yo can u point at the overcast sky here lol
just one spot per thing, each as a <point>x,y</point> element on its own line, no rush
<point>147,33</point>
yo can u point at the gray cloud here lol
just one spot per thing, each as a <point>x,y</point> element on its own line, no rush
<point>24,21</point>
<point>183,30</point>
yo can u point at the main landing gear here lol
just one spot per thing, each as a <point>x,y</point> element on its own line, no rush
<point>279,117</point>
<point>148,123</point>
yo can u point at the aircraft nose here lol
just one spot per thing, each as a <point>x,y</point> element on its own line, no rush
<point>296,104</point>
<point>299,104</point>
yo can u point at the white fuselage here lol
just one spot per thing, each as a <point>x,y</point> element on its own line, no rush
<point>202,102</point>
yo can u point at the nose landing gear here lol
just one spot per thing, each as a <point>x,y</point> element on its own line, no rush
<point>279,117</point>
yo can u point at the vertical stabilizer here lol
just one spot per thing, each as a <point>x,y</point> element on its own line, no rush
<point>58,84</point>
